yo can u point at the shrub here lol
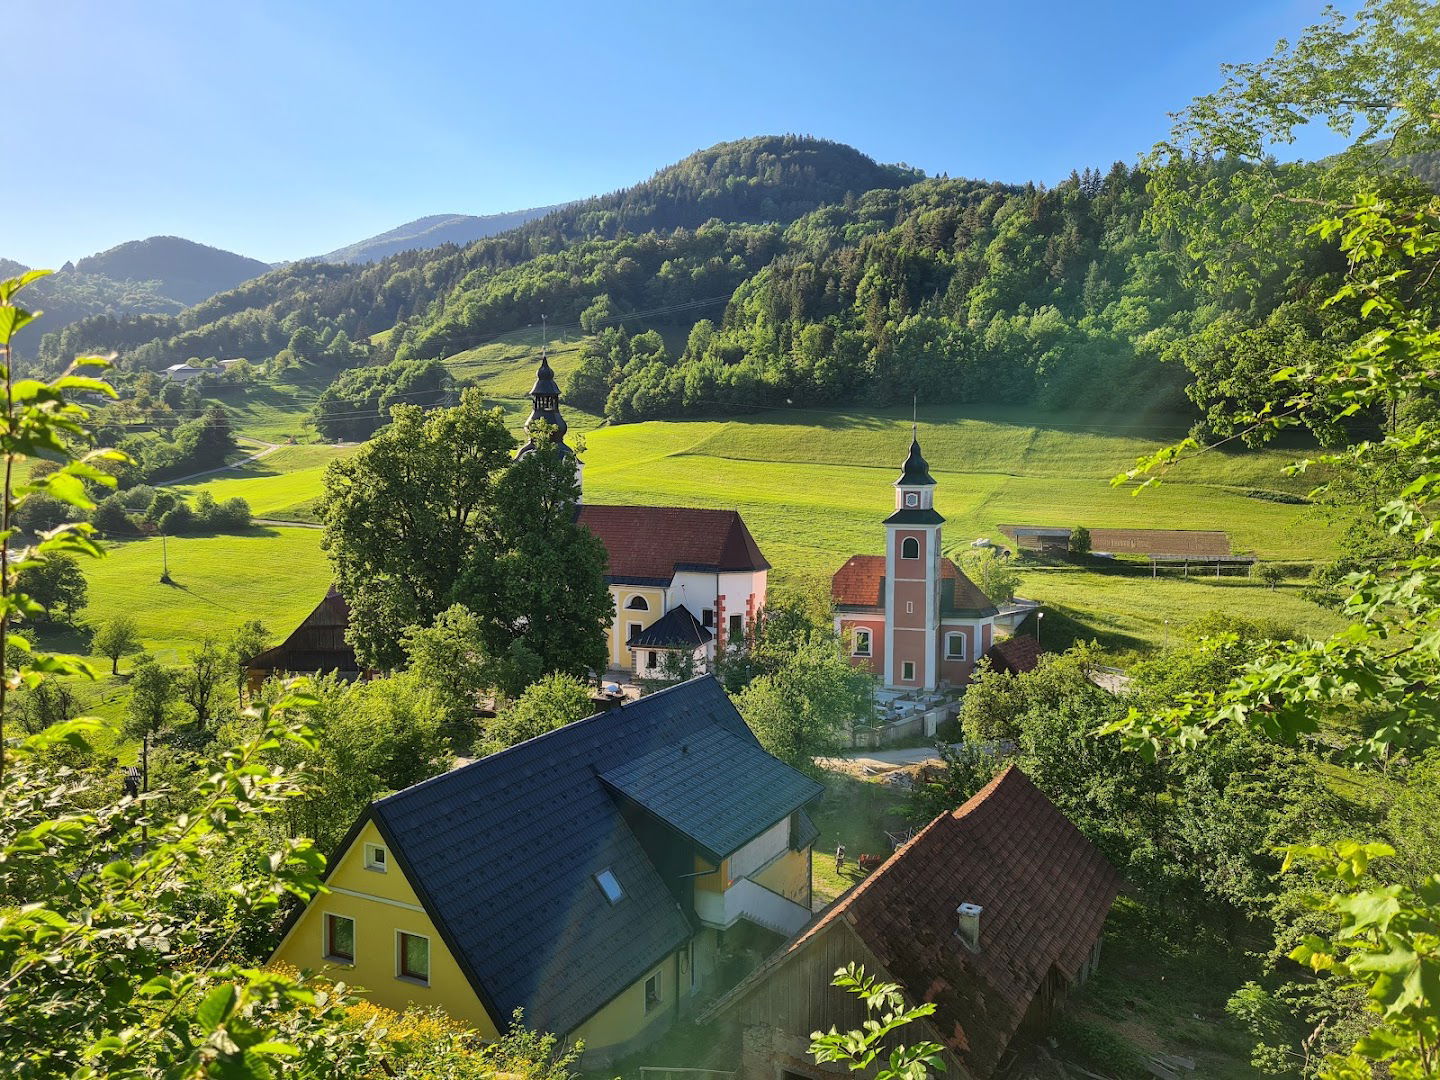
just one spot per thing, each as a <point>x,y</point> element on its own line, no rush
<point>109,516</point>
<point>1079,542</point>
<point>178,519</point>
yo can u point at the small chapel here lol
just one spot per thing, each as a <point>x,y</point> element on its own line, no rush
<point>911,617</point>
<point>685,580</point>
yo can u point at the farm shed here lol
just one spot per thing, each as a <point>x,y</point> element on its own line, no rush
<point>316,647</point>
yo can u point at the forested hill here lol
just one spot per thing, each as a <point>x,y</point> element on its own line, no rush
<point>766,179</point>
<point>796,271</point>
<point>182,269</point>
<point>432,231</point>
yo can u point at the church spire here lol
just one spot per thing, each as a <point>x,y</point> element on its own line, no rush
<point>545,405</point>
<point>916,470</point>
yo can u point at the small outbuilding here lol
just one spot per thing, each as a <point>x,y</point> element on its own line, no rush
<point>316,647</point>
<point>993,913</point>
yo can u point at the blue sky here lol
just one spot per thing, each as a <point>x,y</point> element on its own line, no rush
<point>282,130</point>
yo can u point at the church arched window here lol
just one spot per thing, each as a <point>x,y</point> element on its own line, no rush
<point>910,548</point>
<point>637,603</point>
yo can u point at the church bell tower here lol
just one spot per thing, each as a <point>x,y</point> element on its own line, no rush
<point>545,405</point>
<point>912,578</point>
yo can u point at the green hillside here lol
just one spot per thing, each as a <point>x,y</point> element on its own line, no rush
<point>814,486</point>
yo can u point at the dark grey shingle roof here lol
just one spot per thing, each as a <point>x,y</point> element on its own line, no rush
<point>504,853</point>
<point>717,788</point>
<point>676,628</point>
<point>915,517</point>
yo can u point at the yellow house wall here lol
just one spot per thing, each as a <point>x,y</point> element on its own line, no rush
<point>789,876</point>
<point>618,633</point>
<point>382,904</point>
<point>624,1020</point>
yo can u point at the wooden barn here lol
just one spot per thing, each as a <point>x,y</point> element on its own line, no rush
<point>993,912</point>
<point>316,647</point>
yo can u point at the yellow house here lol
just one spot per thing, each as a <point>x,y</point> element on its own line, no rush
<point>584,876</point>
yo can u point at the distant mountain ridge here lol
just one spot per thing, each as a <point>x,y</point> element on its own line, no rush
<point>183,270</point>
<point>434,230</point>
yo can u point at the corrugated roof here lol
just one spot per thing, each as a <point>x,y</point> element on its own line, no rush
<point>718,789</point>
<point>504,854</point>
<point>1045,891</point>
<point>860,583</point>
<point>648,544</point>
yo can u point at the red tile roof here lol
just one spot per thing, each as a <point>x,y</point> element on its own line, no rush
<point>1045,891</point>
<point>1015,655</point>
<point>860,583</point>
<point>648,544</point>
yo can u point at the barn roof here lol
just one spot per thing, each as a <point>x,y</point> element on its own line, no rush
<point>648,545</point>
<point>503,853</point>
<point>317,645</point>
<point>1045,893</point>
<point>860,584</point>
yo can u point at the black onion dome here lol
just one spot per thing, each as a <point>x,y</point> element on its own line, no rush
<point>916,470</point>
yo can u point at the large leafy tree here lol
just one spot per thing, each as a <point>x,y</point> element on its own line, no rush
<point>1371,688</point>
<point>404,518</point>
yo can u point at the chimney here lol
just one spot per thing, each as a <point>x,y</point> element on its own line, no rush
<point>969,928</point>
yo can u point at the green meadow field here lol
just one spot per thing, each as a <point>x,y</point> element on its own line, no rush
<point>813,486</point>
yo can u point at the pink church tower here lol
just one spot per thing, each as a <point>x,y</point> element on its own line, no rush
<point>912,578</point>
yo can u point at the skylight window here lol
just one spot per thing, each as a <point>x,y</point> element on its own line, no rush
<point>609,886</point>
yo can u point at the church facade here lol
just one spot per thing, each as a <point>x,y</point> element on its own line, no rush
<point>911,617</point>
<point>684,580</point>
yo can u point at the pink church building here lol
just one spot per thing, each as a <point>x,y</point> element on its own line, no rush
<point>910,616</point>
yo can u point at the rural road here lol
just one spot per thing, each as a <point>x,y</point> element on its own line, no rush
<point>270,448</point>
<point>282,524</point>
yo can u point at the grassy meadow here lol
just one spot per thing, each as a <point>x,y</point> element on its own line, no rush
<point>813,486</point>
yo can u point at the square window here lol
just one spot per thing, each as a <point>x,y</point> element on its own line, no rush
<point>340,939</point>
<point>414,957</point>
<point>907,671</point>
<point>707,617</point>
<point>610,885</point>
<point>376,858</point>
<point>652,992</point>
<point>954,646</point>
<point>652,661</point>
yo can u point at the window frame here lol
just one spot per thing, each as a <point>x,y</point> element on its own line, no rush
<point>652,660</point>
<point>912,498</point>
<point>907,671</point>
<point>400,970</point>
<point>327,939</point>
<point>956,635</point>
<point>910,543</point>
<point>380,865</point>
<point>637,603</point>
<point>654,1002</point>
<point>736,626</point>
<point>869,635</point>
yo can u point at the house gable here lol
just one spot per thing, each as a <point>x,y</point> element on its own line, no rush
<point>381,905</point>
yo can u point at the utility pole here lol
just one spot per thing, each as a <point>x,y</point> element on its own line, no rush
<point>164,562</point>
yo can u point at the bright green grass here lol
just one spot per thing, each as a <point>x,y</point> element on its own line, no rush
<point>274,575</point>
<point>276,412</point>
<point>283,484</point>
<point>505,369</point>
<point>814,488</point>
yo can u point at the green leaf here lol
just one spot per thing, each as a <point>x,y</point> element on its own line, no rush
<point>217,1006</point>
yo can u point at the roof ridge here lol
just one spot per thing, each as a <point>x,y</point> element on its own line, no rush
<point>570,727</point>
